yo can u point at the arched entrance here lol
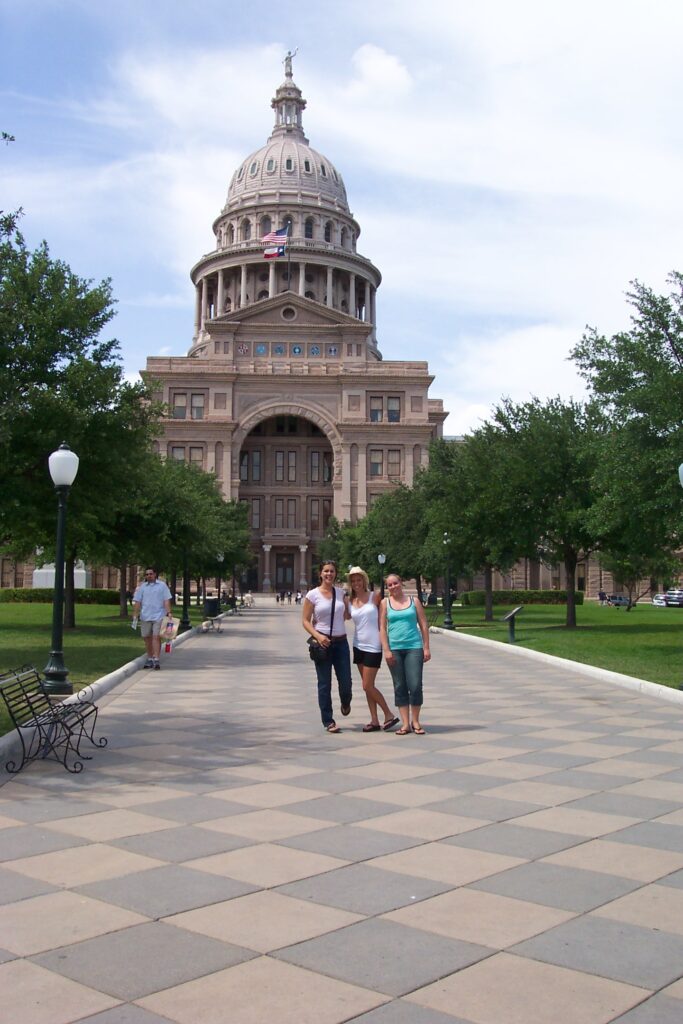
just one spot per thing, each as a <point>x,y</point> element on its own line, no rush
<point>286,478</point>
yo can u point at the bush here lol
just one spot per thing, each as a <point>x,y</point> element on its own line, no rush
<point>44,595</point>
<point>477,597</point>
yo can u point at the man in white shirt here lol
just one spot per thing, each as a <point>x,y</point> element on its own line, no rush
<point>151,601</point>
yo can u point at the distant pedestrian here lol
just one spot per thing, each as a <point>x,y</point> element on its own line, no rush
<point>289,597</point>
<point>405,642</point>
<point>151,601</point>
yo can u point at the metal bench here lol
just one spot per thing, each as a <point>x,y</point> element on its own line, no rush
<point>47,727</point>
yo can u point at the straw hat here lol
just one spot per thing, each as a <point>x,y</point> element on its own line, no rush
<point>356,570</point>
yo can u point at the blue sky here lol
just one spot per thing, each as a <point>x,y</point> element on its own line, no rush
<point>512,166</point>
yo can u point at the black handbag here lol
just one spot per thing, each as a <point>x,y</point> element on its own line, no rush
<point>316,651</point>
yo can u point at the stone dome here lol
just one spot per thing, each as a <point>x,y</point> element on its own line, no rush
<point>287,164</point>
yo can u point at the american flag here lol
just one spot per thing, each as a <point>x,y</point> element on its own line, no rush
<point>276,237</point>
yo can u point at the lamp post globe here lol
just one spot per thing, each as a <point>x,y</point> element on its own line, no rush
<point>382,559</point>
<point>63,465</point>
<point>447,619</point>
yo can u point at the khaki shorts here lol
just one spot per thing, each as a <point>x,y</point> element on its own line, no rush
<point>150,628</point>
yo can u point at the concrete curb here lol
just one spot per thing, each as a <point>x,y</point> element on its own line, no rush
<point>10,744</point>
<point>643,686</point>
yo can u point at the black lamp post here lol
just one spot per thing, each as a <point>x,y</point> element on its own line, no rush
<point>382,559</point>
<point>219,559</point>
<point>63,468</point>
<point>185,623</point>
<point>447,620</point>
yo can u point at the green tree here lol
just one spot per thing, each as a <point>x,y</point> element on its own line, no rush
<point>553,450</point>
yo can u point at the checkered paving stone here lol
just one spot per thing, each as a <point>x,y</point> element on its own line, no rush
<point>521,862</point>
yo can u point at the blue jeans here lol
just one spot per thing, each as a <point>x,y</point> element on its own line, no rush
<point>406,673</point>
<point>340,660</point>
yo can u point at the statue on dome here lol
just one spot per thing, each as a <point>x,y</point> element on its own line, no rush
<point>288,62</point>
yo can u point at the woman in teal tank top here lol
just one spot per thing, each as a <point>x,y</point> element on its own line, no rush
<point>405,642</point>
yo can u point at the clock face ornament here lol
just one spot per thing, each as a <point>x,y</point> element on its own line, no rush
<point>315,350</point>
<point>243,349</point>
<point>296,350</point>
<point>332,350</point>
<point>278,350</point>
<point>261,350</point>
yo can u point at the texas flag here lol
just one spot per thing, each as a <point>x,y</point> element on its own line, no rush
<point>275,242</point>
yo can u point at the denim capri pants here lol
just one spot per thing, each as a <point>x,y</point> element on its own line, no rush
<point>406,673</point>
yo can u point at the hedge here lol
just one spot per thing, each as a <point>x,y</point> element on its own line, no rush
<point>44,595</point>
<point>478,597</point>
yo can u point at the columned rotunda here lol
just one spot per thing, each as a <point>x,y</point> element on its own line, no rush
<point>284,393</point>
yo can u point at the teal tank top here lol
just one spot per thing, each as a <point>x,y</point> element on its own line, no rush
<point>402,628</point>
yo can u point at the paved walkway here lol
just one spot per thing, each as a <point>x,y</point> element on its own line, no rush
<point>224,860</point>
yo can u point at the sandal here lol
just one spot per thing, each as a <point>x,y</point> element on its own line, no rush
<point>332,727</point>
<point>390,724</point>
<point>418,730</point>
<point>371,727</point>
<point>402,731</point>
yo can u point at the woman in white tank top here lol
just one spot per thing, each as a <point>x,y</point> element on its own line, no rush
<point>367,646</point>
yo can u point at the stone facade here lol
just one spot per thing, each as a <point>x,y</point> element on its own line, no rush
<point>284,393</point>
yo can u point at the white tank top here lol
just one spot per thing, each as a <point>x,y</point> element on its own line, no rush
<point>366,623</point>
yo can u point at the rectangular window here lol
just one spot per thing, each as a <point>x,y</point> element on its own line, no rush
<point>291,467</point>
<point>315,514</point>
<point>244,467</point>
<point>197,457</point>
<point>376,409</point>
<point>279,512</point>
<point>279,466</point>
<point>179,410</point>
<point>291,513</point>
<point>255,466</point>
<point>393,409</point>
<point>376,462</point>
<point>394,463</point>
<point>416,403</point>
<point>315,467</point>
<point>327,512</point>
<point>256,513</point>
<point>327,467</point>
<point>178,452</point>
<point>197,407</point>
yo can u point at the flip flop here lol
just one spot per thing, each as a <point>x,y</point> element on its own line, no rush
<point>332,727</point>
<point>402,732</point>
<point>419,731</point>
<point>371,727</point>
<point>390,724</point>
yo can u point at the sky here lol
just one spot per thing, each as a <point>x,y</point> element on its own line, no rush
<point>513,166</point>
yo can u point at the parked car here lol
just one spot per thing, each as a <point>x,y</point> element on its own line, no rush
<point>659,600</point>
<point>674,598</point>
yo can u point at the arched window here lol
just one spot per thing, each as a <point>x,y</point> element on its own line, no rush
<point>231,235</point>
<point>308,228</point>
<point>287,222</point>
<point>289,164</point>
<point>228,304</point>
<point>343,238</point>
<point>328,231</point>
<point>270,166</point>
<point>246,230</point>
<point>254,167</point>
<point>266,225</point>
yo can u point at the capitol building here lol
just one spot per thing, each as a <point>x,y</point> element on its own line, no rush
<point>284,392</point>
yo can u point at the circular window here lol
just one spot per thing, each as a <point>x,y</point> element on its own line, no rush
<point>288,313</point>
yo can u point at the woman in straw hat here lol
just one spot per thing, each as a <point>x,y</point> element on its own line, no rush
<point>367,646</point>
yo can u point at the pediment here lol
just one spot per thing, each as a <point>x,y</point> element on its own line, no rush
<point>268,312</point>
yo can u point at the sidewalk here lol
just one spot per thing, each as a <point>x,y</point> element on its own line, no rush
<point>225,860</point>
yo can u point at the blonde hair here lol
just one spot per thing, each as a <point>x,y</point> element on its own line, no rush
<point>356,570</point>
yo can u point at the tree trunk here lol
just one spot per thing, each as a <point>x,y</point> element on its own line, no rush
<point>69,592</point>
<point>570,563</point>
<point>123,591</point>
<point>488,593</point>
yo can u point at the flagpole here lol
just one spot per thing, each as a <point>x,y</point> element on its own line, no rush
<point>289,258</point>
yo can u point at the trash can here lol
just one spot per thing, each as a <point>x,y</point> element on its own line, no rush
<point>211,607</point>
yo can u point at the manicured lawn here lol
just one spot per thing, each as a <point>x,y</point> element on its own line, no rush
<point>101,642</point>
<point>646,642</point>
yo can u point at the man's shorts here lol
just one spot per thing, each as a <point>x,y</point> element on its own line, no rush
<point>373,659</point>
<point>150,628</point>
